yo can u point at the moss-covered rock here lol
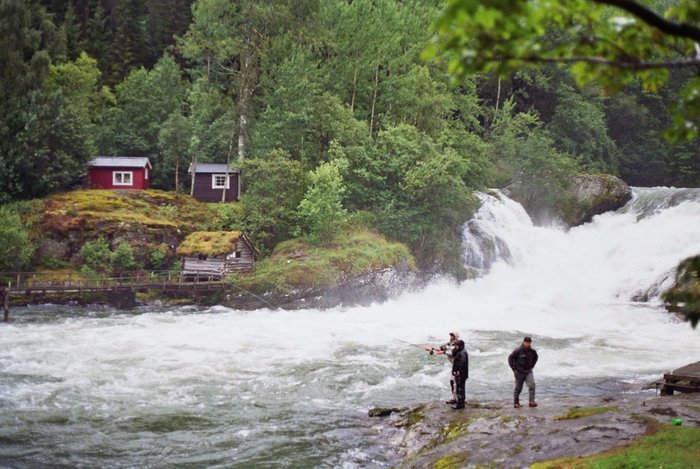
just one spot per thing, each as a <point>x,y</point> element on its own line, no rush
<point>357,268</point>
<point>63,223</point>
<point>684,296</point>
<point>576,202</point>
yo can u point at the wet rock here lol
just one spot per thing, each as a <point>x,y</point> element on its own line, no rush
<point>493,434</point>
<point>592,195</point>
<point>385,411</point>
<point>584,196</point>
<point>364,289</point>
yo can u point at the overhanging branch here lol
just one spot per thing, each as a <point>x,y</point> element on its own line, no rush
<point>606,62</point>
<point>653,19</point>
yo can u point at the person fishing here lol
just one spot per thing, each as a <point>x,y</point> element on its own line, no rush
<point>522,360</point>
<point>446,349</point>
<point>460,372</point>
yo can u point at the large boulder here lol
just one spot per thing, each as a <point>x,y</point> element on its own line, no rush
<point>581,198</point>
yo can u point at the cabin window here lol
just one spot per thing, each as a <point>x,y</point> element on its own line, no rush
<point>202,257</point>
<point>237,255</point>
<point>219,181</point>
<point>122,178</point>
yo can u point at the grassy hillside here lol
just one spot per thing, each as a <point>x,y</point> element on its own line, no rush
<point>297,264</point>
<point>146,220</point>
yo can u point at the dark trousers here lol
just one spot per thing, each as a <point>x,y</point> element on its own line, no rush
<point>460,384</point>
<point>524,378</point>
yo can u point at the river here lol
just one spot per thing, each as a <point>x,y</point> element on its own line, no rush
<point>215,387</point>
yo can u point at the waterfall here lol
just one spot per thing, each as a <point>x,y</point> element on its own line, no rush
<point>630,254</point>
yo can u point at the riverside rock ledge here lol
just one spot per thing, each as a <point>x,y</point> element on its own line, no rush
<point>493,434</point>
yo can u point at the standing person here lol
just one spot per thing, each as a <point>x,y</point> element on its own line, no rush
<point>446,349</point>
<point>522,361</point>
<point>460,371</point>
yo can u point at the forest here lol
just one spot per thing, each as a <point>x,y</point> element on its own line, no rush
<point>339,113</point>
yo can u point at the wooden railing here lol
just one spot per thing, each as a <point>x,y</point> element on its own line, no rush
<point>57,281</point>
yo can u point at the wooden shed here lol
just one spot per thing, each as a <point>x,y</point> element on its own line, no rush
<point>119,172</point>
<point>216,254</point>
<point>214,182</point>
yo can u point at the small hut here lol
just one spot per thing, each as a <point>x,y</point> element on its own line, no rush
<point>213,182</point>
<point>216,254</point>
<point>119,172</point>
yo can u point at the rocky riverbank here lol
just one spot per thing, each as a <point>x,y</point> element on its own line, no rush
<point>493,434</point>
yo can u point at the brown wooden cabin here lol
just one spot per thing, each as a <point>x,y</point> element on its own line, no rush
<point>213,182</point>
<point>216,254</point>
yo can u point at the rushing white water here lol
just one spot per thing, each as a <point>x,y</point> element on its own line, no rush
<point>219,388</point>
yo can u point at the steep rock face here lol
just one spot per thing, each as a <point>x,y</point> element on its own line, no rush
<point>584,196</point>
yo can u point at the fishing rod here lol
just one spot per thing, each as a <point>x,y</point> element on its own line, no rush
<point>422,347</point>
<point>255,296</point>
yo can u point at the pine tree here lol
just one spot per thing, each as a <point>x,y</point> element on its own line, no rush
<point>129,46</point>
<point>98,36</point>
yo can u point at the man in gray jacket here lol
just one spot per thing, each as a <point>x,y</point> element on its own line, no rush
<point>522,361</point>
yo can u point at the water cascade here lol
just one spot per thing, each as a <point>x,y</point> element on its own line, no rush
<point>215,387</point>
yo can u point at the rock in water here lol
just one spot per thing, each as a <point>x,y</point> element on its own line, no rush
<point>595,194</point>
<point>581,198</point>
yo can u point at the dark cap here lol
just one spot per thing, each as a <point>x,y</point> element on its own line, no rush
<point>527,339</point>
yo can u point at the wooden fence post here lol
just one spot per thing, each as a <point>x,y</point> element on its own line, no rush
<point>6,302</point>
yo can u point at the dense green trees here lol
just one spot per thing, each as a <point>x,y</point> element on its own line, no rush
<point>309,97</point>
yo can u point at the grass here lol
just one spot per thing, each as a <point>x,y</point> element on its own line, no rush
<point>78,209</point>
<point>211,243</point>
<point>298,264</point>
<point>670,448</point>
<point>580,412</point>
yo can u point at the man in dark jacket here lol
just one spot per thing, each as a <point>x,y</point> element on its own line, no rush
<point>446,349</point>
<point>460,371</point>
<point>522,361</point>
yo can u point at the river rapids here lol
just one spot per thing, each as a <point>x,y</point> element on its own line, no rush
<point>215,387</point>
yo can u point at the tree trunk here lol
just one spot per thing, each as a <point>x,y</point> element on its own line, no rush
<point>194,168</point>
<point>245,92</point>
<point>498,93</point>
<point>354,90</point>
<point>228,161</point>
<point>177,172</point>
<point>374,98</point>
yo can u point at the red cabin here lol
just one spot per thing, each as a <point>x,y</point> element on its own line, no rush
<point>119,172</point>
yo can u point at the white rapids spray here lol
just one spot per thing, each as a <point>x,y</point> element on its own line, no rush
<point>218,386</point>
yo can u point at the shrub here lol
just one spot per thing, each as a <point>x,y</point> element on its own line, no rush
<point>16,248</point>
<point>123,258</point>
<point>229,216</point>
<point>157,256</point>
<point>96,254</point>
<point>321,211</point>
